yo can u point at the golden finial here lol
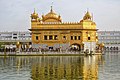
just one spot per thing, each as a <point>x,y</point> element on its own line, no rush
<point>34,10</point>
<point>87,15</point>
<point>87,12</point>
<point>51,7</point>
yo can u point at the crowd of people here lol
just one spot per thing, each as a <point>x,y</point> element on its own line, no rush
<point>14,49</point>
<point>7,49</point>
<point>21,50</point>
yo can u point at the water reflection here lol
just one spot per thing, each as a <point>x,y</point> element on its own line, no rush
<point>111,68</point>
<point>52,67</point>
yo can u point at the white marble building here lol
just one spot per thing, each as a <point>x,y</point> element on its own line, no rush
<point>111,39</point>
<point>15,36</point>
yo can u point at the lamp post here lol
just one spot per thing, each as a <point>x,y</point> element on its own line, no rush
<point>4,50</point>
<point>102,46</point>
<point>18,46</point>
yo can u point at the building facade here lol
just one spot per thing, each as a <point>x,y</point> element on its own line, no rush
<point>111,39</point>
<point>50,32</point>
<point>11,39</point>
<point>15,36</point>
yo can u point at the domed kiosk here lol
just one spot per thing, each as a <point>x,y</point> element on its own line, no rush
<point>34,16</point>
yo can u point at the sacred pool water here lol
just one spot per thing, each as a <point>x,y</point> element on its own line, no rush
<point>95,67</point>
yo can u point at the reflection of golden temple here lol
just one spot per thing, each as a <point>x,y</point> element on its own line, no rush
<point>90,68</point>
<point>49,32</point>
<point>84,68</point>
<point>56,68</point>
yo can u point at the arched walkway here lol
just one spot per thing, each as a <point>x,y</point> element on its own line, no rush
<point>75,47</point>
<point>111,48</point>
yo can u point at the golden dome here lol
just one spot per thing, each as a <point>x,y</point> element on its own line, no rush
<point>51,17</point>
<point>34,15</point>
<point>87,16</point>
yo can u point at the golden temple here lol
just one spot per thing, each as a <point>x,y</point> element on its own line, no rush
<point>50,32</point>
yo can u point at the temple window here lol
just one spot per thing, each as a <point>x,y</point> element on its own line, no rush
<point>36,37</point>
<point>45,37</point>
<point>50,37</point>
<point>55,37</point>
<point>88,38</point>
<point>64,37</point>
<point>78,37</point>
<point>71,37</point>
<point>75,37</point>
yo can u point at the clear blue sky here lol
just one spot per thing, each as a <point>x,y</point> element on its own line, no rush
<point>15,14</point>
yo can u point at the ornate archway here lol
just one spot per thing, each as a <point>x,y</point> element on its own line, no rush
<point>75,47</point>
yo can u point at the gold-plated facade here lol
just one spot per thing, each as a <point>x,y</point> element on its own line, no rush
<point>49,31</point>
